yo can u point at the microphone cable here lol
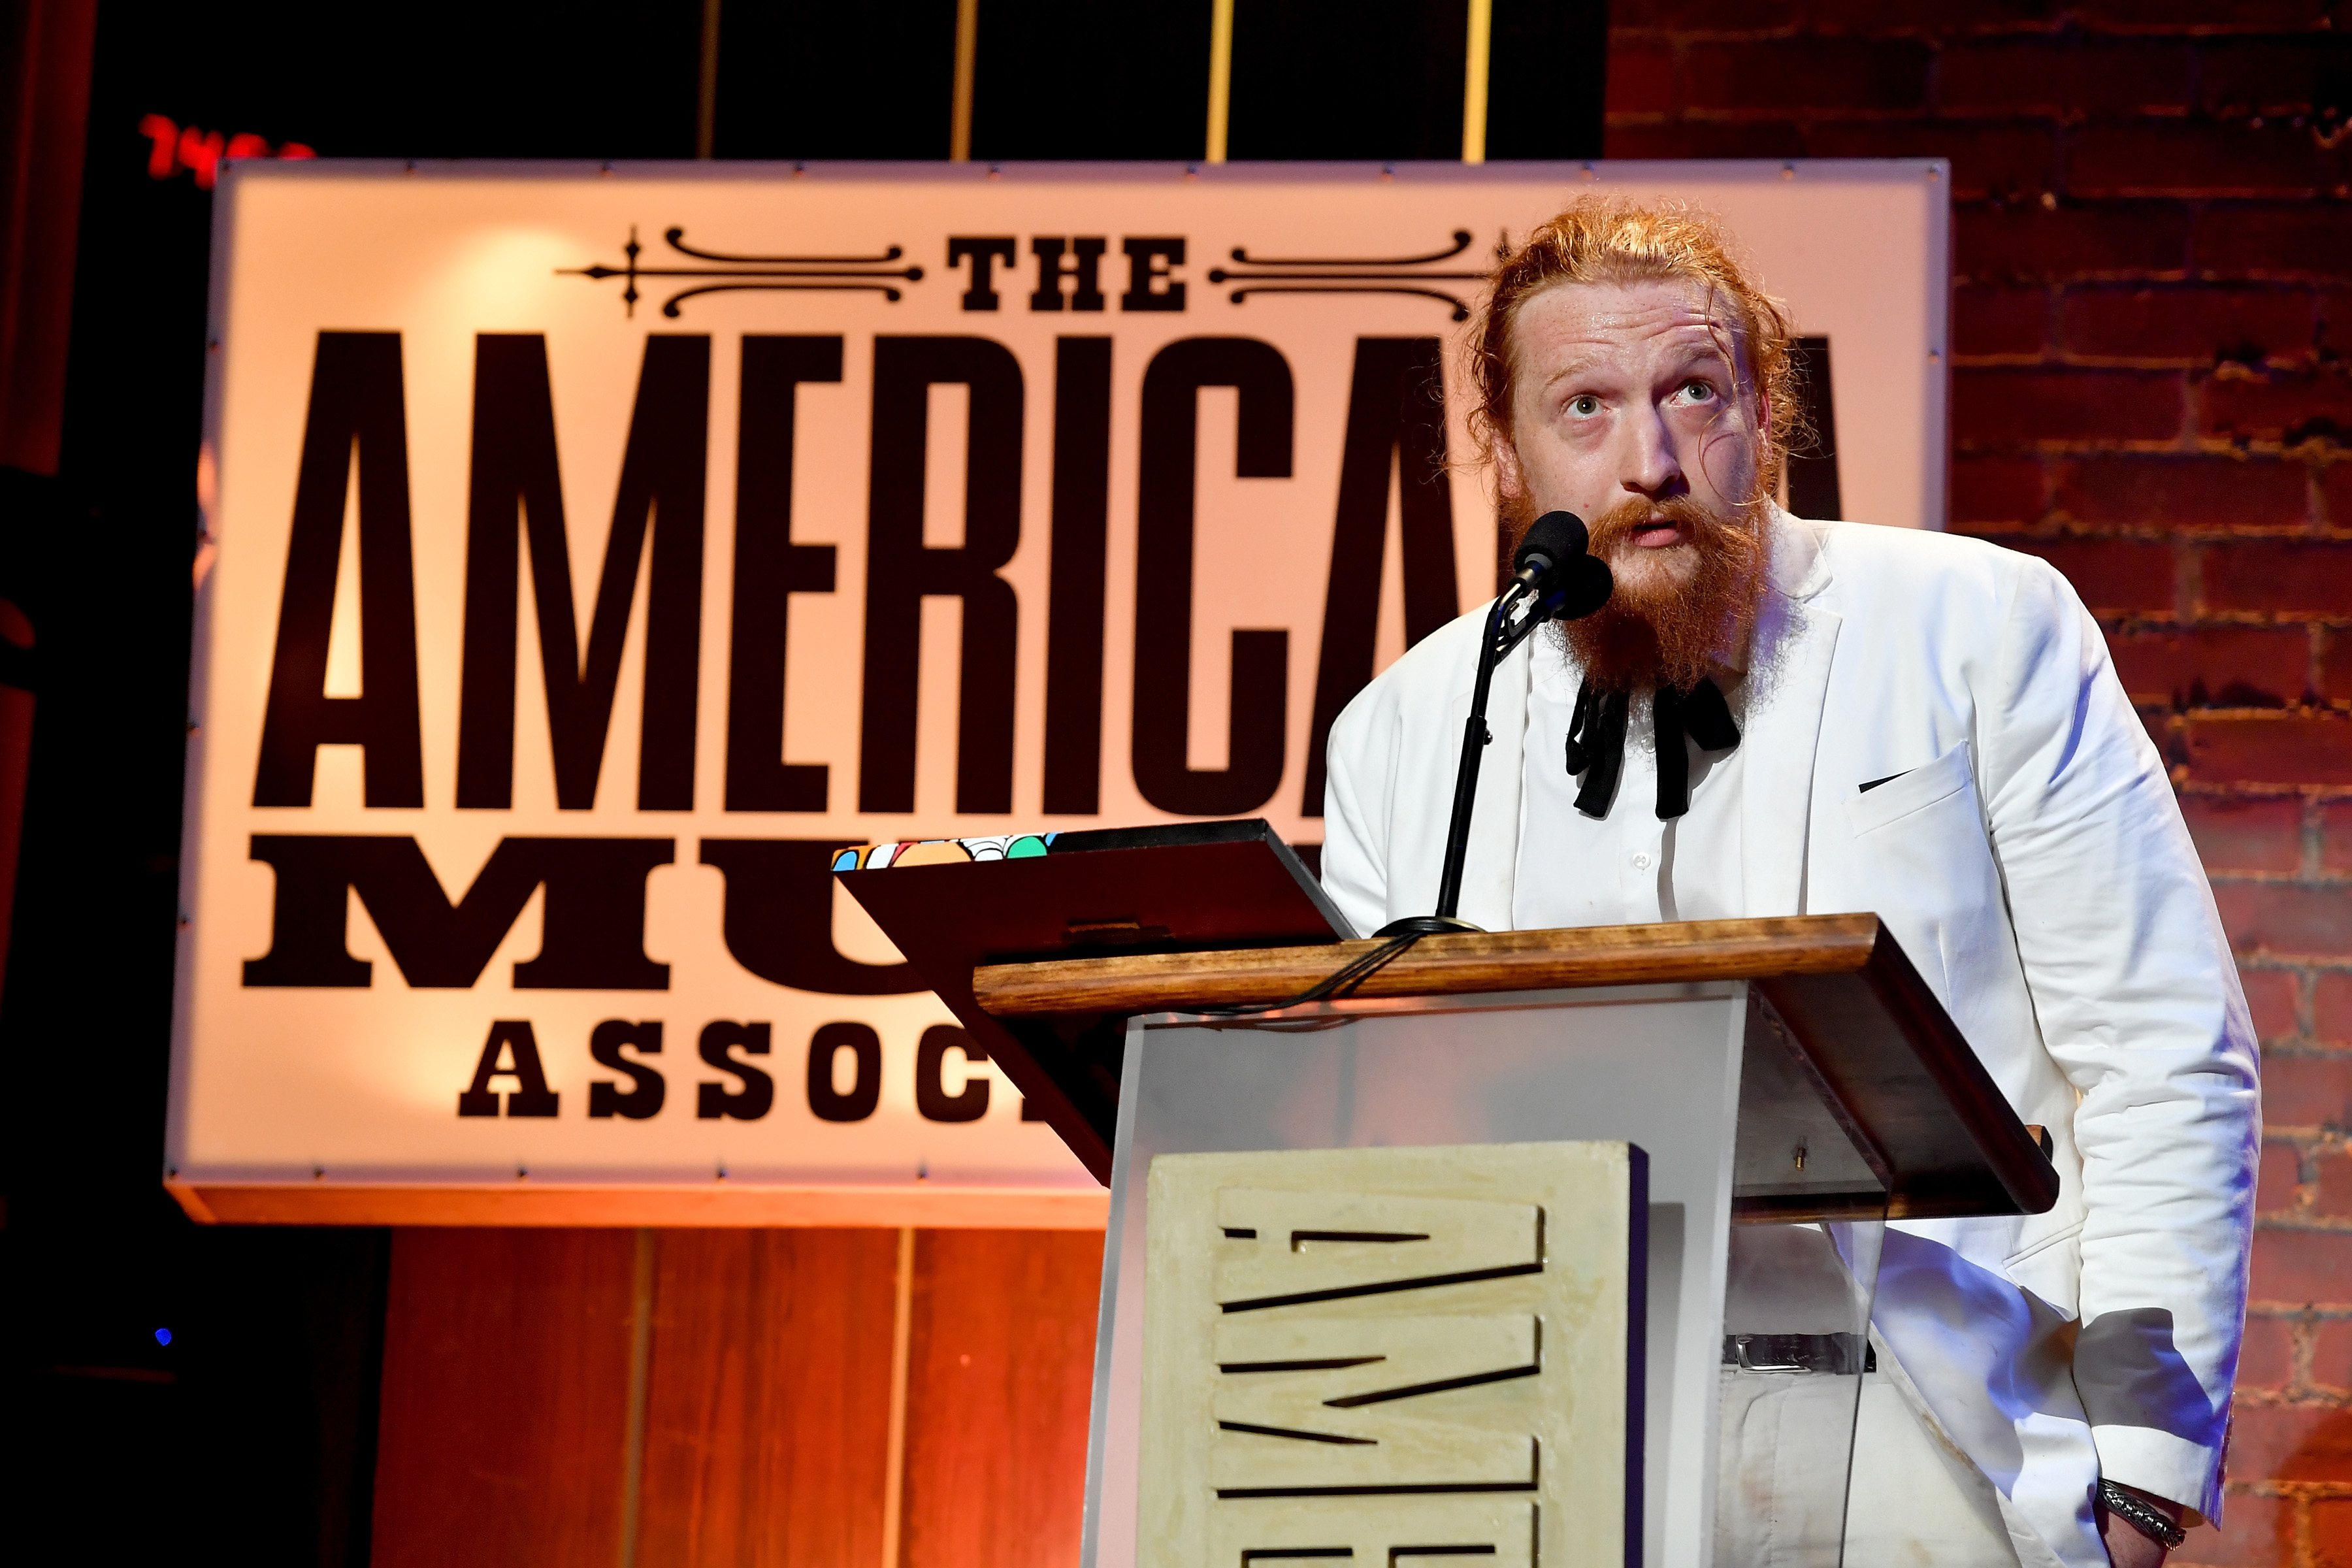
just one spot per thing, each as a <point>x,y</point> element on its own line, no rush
<point>1340,983</point>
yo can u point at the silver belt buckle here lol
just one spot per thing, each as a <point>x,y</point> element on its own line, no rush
<point>1839,1354</point>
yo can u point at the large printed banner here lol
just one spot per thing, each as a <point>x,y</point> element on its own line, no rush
<point>593,551</point>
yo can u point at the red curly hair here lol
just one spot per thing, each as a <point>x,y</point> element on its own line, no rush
<point>1613,239</point>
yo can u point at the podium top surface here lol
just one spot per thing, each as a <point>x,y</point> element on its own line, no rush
<point>1453,965</point>
<point>1867,1028</point>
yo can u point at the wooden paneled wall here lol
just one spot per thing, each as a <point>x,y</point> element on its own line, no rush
<point>506,1396</point>
<point>762,1404</point>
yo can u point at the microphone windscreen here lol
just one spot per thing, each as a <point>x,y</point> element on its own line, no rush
<point>1556,536</point>
<point>1583,587</point>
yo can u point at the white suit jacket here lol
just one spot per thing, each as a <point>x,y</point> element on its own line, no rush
<point>2033,862</point>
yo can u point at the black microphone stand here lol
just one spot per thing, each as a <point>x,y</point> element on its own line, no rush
<point>1501,636</point>
<point>1557,579</point>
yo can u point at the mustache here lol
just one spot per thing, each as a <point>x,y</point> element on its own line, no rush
<point>1614,529</point>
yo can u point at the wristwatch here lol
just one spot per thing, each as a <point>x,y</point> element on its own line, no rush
<point>2135,1512</point>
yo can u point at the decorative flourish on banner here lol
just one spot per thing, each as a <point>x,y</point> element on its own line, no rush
<point>840,274</point>
<point>1393,275</point>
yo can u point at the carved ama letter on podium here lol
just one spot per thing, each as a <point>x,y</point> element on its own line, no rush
<point>1370,1355</point>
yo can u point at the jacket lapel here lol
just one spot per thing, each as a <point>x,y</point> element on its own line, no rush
<point>1784,720</point>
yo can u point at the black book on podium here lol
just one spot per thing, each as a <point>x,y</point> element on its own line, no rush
<point>952,905</point>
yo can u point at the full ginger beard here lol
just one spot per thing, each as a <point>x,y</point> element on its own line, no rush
<point>1677,609</point>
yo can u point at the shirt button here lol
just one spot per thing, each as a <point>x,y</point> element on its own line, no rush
<point>1640,862</point>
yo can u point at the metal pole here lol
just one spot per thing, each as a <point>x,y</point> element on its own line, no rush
<point>706,104</point>
<point>1473,81</point>
<point>1220,75</point>
<point>967,48</point>
<point>1475,739</point>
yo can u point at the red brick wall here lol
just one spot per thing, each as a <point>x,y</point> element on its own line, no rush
<point>2154,299</point>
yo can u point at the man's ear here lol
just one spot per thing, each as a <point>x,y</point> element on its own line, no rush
<point>1510,483</point>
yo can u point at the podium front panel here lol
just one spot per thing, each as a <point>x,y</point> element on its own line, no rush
<point>1660,1067</point>
<point>1654,1065</point>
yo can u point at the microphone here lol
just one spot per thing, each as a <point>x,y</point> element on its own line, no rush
<point>1552,538</point>
<point>1584,585</point>
<point>1556,580</point>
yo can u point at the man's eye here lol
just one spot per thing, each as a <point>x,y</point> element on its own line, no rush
<point>1697,391</point>
<point>1584,403</point>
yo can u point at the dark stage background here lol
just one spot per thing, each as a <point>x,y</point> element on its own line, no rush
<point>2153,210</point>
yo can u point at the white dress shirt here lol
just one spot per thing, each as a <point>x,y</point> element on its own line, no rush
<point>1627,868</point>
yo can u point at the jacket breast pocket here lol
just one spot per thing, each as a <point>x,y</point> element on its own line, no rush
<point>1899,796</point>
<point>1920,858</point>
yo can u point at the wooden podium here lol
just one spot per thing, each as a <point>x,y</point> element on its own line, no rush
<point>1789,1084</point>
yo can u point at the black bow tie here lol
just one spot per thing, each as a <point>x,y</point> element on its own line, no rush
<point>1596,742</point>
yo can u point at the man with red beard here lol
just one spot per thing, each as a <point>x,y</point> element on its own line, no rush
<point>1780,717</point>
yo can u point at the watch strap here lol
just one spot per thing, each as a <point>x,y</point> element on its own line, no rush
<point>2135,1512</point>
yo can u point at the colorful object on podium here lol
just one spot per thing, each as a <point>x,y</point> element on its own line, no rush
<point>944,851</point>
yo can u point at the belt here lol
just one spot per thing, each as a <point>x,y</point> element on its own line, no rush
<point>1843,1354</point>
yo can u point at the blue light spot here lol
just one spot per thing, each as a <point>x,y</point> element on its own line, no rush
<point>163,1336</point>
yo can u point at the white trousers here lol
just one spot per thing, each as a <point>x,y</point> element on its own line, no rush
<point>1913,1499</point>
